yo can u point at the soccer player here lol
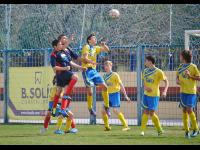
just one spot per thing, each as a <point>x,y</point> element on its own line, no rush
<point>69,123</point>
<point>187,76</point>
<point>60,61</point>
<point>48,115</point>
<point>114,85</point>
<point>91,77</point>
<point>152,76</point>
<point>66,42</point>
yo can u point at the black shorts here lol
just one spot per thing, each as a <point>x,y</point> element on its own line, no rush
<point>64,78</point>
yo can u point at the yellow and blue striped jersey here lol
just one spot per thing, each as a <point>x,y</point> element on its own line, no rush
<point>113,81</point>
<point>92,52</point>
<point>187,85</point>
<point>152,78</point>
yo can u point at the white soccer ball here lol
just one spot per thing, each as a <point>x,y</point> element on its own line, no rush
<point>114,13</point>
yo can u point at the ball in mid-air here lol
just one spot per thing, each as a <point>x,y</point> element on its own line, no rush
<point>114,13</point>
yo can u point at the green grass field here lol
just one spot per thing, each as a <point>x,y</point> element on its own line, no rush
<point>91,135</point>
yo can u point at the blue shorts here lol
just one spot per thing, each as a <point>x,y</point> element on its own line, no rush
<point>63,78</point>
<point>114,99</point>
<point>188,100</point>
<point>150,103</point>
<point>91,77</point>
<point>58,109</point>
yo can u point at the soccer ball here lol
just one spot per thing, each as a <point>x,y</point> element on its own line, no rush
<point>114,13</point>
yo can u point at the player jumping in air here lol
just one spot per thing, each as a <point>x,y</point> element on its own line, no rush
<point>91,76</point>
<point>114,85</point>
<point>187,76</point>
<point>152,77</point>
<point>61,60</point>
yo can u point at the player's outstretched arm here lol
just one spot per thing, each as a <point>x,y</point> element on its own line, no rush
<point>164,93</point>
<point>58,68</point>
<point>77,66</point>
<point>104,47</point>
<point>124,92</point>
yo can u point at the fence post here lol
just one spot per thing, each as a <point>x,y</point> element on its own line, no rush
<point>6,86</point>
<point>92,117</point>
<point>46,57</point>
<point>138,70</point>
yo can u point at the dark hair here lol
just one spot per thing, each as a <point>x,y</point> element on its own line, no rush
<point>151,58</point>
<point>89,37</point>
<point>187,55</point>
<point>55,42</point>
<point>60,36</point>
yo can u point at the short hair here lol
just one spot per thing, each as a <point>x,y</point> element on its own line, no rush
<point>108,63</point>
<point>60,36</point>
<point>89,37</point>
<point>187,55</point>
<point>55,42</point>
<point>151,58</point>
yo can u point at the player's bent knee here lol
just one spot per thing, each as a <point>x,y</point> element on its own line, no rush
<point>152,113</point>
<point>89,91</point>
<point>189,110</point>
<point>146,112</point>
<point>103,87</point>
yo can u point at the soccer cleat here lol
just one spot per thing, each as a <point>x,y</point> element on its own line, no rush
<point>195,133</point>
<point>126,129</point>
<point>142,133</point>
<point>187,135</point>
<point>107,129</point>
<point>58,132</point>
<point>43,130</point>
<point>160,132</point>
<point>107,111</point>
<point>92,112</point>
<point>73,130</point>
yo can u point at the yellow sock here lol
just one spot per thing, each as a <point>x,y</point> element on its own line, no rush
<point>193,121</point>
<point>68,124</point>
<point>89,101</point>
<point>144,121</point>
<point>185,121</point>
<point>59,123</point>
<point>105,98</point>
<point>122,119</point>
<point>156,122</point>
<point>106,121</point>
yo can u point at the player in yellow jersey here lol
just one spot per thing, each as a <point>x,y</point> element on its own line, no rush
<point>187,77</point>
<point>152,76</point>
<point>91,76</point>
<point>114,85</point>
